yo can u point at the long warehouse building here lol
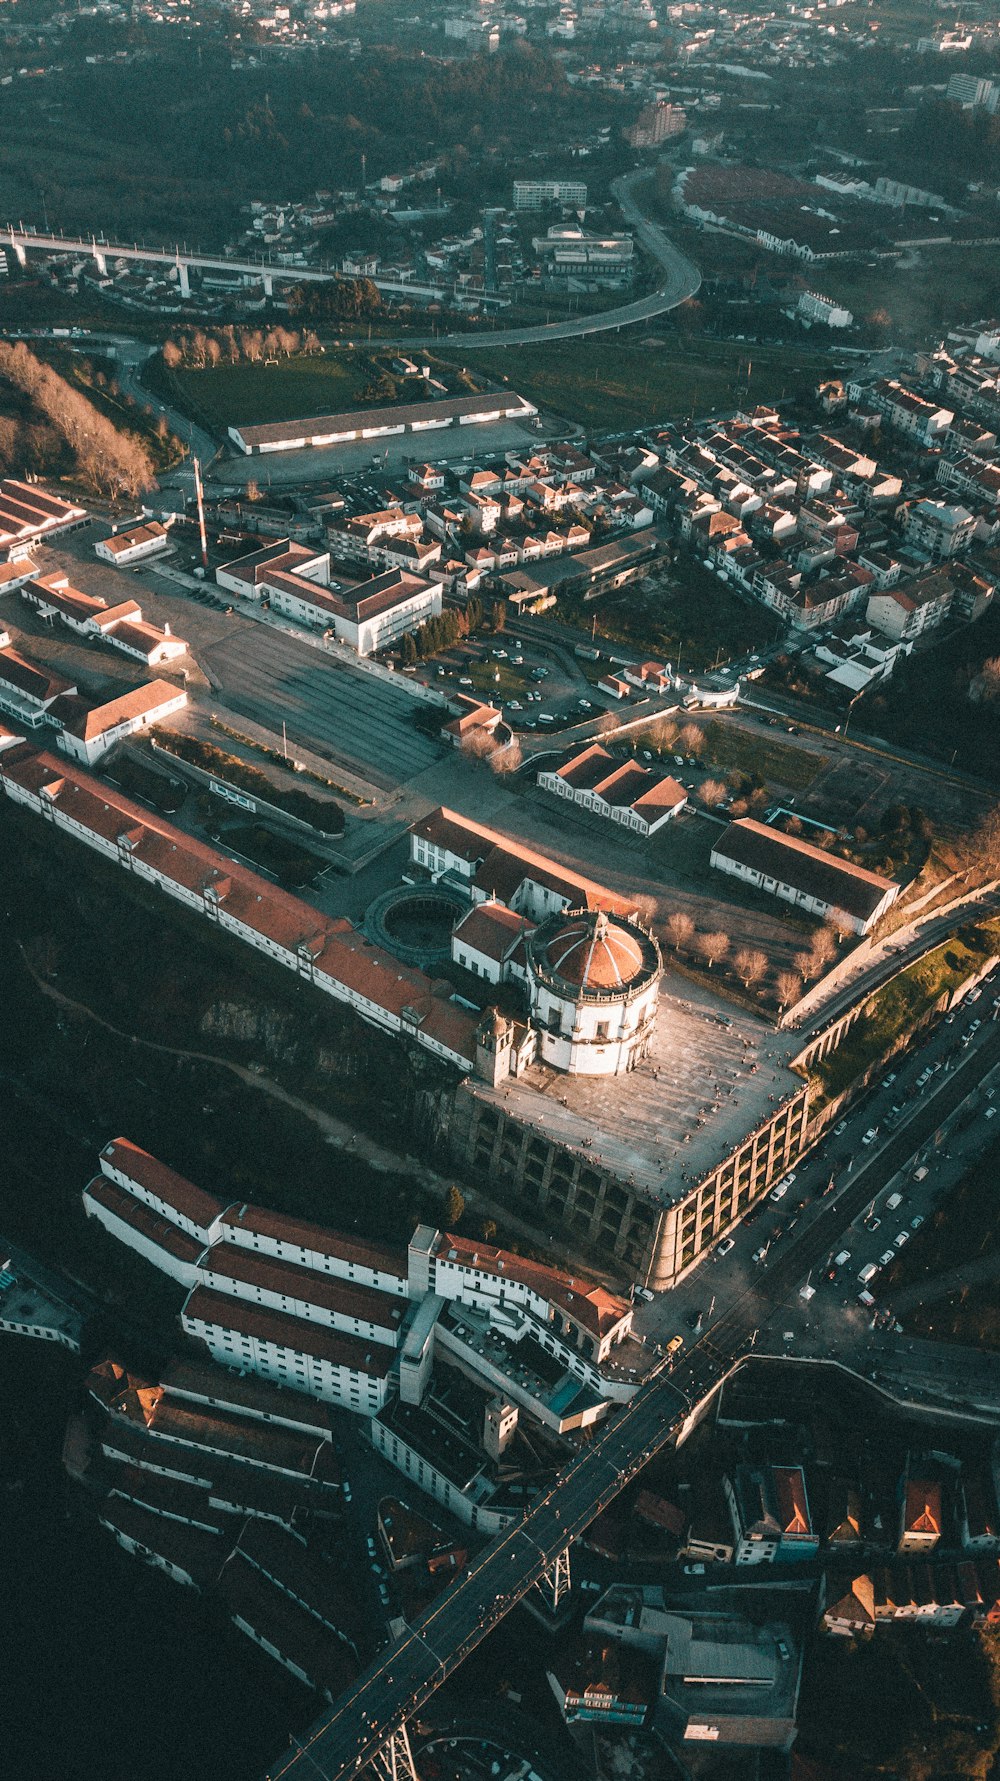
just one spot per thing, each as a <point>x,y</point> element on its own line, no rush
<point>358,424</point>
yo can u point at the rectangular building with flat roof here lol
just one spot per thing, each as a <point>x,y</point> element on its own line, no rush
<point>358,424</point>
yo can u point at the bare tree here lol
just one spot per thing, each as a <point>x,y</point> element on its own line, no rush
<point>787,984</point>
<point>172,355</point>
<point>807,965</point>
<point>645,909</point>
<point>692,740</point>
<point>679,928</point>
<point>751,965</point>
<point>478,744</point>
<point>662,734</point>
<point>712,793</point>
<point>986,684</point>
<point>508,759</point>
<point>824,945</point>
<point>712,947</point>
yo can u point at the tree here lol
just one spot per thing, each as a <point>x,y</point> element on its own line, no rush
<point>112,461</point>
<point>787,984</point>
<point>807,965</point>
<point>824,945</point>
<point>751,965</point>
<point>477,744</point>
<point>712,793</point>
<point>645,909</point>
<point>679,928</point>
<point>407,650</point>
<point>498,616</point>
<point>507,760</point>
<point>661,735</point>
<point>489,1230</point>
<point>172,355</point>
<point>454,1208</point>
<point>712,947</point>
<point>691,740</point>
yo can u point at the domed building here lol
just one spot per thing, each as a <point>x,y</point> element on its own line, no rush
<point>593,983</point>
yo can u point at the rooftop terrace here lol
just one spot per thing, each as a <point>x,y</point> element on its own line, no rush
<point>710,1078</point>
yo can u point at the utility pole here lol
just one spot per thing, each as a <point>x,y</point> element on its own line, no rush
<point>201,514</point>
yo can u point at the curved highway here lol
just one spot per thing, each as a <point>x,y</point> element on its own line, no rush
<point>681,280</point>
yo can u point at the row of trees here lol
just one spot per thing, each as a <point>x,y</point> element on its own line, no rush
<point>750,963</point>
<point>207,347</point>
<point>109,461</point>
<point>441,632</point>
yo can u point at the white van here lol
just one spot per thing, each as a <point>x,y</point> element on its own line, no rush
<point>893,1201</point>
<point>868,1272</point>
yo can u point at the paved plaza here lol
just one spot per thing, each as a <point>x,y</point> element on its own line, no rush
<point>710,1079</point>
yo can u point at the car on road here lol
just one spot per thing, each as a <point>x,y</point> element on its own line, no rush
<point>915,1223</point>
<point>887,1081</point>
<point>779,1192</point>
<point>725,1246</point>
<point>840,1128</point>
<point>889,1256</point>
<point>871,1135</point>
<point>904,1237</point>
<point>465,681</point>
<point>346,1487</point>
<point>372,1549</point>
<point>759,1254</point>
<point>674,1344</point>
<point>694,1570</point>
<point>869,1271</point>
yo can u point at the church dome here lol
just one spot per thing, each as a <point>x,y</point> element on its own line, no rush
<point>592,952</point>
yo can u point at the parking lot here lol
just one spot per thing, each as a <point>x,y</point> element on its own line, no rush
<point>340,712</point>
<point>362,462</point>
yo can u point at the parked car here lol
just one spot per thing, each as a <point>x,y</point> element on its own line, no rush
<point>726,1245</point>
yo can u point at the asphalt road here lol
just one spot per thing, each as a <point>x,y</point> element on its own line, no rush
<point>342,713</point>
<point>681,279</point>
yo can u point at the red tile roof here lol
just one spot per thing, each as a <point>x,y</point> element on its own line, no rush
<point>143,1220</point>
<point>169,1187</point>
<point>592,1306</point>
<point>493,930</point>
<point>357,1353</point>
<point>811,870</point>
<point>142,701</point>
<point>339,951</point>
<point>300,1234</point>
<point>231,1261</point>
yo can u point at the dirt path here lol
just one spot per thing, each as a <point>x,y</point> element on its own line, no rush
<point>335,1131</point>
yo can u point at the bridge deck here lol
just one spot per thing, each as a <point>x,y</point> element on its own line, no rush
<point>394,1687</point>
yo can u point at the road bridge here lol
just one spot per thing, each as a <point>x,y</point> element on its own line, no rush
<point>184,259</point>
<point>367,1726</point>
<point>679,277</point>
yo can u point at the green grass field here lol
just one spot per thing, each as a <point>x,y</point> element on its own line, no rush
<point>229,395</point>
<point>618,381</point>
<point>778,763</point>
